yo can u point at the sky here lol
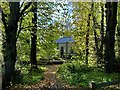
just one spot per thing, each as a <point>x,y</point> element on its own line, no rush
<point>61,14</point>
<point>64,14</point>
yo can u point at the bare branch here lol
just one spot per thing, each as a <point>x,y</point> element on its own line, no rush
<point>21,4</point>
<point>26,7</point>
<point>20,15</point>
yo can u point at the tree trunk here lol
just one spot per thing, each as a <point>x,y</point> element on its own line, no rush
<point>10,48</point>
<point>99,48</point>
<point>87,35</point>
<point>87,38</point>
<point>95,35</point>
<point>96,46</point>
<point>110,36</point>
<point>118,32</point>
<point>34,38</point>
<point>102,34</point>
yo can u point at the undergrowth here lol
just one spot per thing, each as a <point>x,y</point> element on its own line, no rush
<point>31,77</point>
<point>78,74</point>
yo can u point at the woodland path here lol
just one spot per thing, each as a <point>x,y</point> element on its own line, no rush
<point>51,81</point>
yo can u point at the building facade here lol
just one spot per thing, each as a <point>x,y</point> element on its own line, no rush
<point>65,46</point>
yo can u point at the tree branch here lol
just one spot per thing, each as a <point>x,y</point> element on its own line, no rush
<point>26,7</point>
<point>20,15</point>
<point>19,29</point>
<point>21,4</point>
<point>3,19</point>
<point>26,13</point>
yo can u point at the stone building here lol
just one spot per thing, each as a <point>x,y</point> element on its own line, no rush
<point>64,46</point>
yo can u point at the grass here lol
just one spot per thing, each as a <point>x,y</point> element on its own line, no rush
<point>78,74</point>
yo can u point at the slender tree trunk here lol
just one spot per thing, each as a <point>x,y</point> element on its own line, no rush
<point>3,44</point>
<point>87,35</point>
<point>110,36</point>
<point>87,38</point>
<point>118,37</point>
<point>95,35</point>
<point>34,38</point>
<point>102,34</point>
<point>118,33</point>
<point>96,46</point>
<point>99,49</point>
<point>10,48</point>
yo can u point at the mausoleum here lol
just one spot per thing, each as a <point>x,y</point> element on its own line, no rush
<point>64,46</point>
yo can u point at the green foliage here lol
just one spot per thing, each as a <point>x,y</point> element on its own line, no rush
<point>31,77</point>
<point>78,74</point>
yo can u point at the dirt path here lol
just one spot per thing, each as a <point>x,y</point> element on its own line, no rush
<point>51,80</point>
